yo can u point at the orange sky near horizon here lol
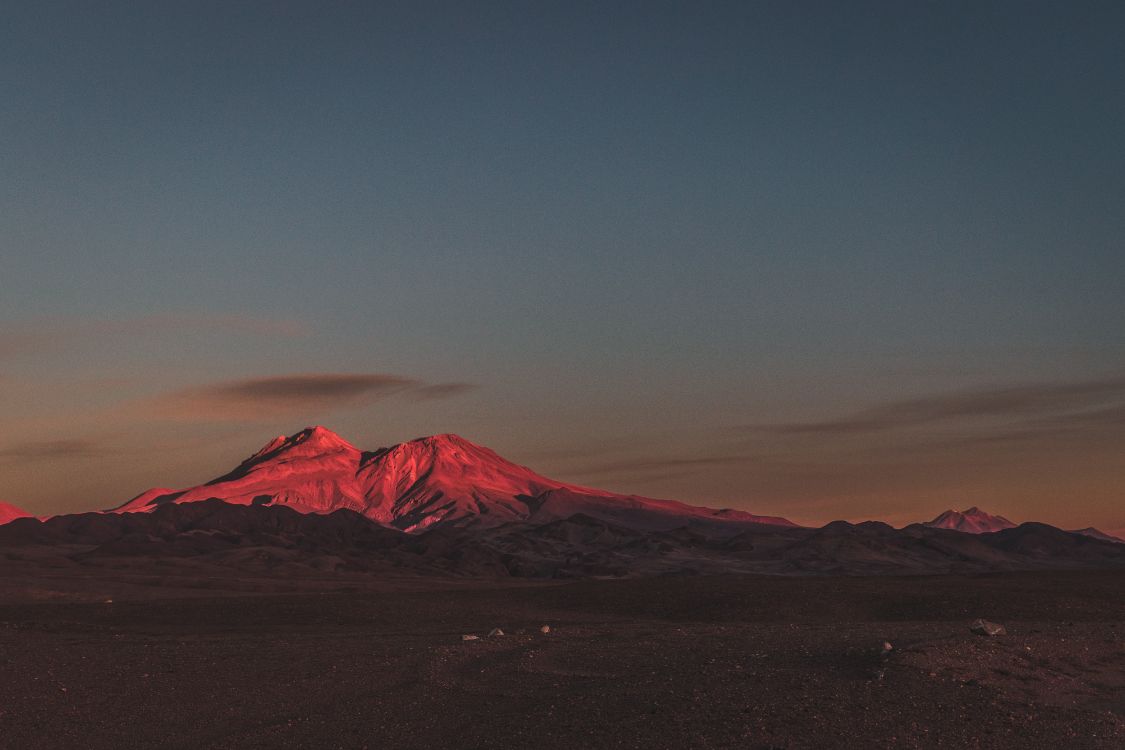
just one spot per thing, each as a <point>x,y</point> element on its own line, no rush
<point>1053,452</point>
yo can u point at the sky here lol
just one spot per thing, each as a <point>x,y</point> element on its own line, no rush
<point>819,260</point>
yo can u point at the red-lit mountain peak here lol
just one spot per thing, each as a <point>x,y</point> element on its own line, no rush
<point>11,512</point>
<point>446,478</point>
<point>310,442</point>
<point>441,479</point>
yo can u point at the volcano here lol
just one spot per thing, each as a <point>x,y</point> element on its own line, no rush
<point>971,521</point>
<point>11,512</point>
<point>438,480</point>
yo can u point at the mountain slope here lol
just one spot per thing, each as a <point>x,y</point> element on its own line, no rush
<point>1098,534</point>
<point>971,521</point>
<point>438,480</point>
<point>11,512</point>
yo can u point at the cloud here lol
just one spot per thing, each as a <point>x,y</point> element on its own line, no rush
<point>1019,401</point>
<point>924,444</point>
<point>1090,425</point>
<point>50,334</point>
<point>441,390</point>
<point>288,395</point>
<point>52,450</point>
<point>643,467</point>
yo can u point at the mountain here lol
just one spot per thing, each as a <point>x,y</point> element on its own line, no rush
<point>11,512</point>
<point>438,480</point>
<point>211,542</point>
<point>971,521</point>
<point>312,504</point>
<point>1096,534</point>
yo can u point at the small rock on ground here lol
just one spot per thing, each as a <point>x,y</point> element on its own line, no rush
<point>984,627</point>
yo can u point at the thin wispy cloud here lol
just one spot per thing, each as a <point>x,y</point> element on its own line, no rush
<point>643,466</point>
<point>1023,402</point>
<point>51,450</point>
<point>1091,424</point>
<point>999,425</point>
<point>440,391</point>
<point>292,395</point>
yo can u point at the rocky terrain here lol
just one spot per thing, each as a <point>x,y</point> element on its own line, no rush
<point>660,662</point>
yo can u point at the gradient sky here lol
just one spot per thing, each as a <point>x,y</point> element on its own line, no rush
<point>820,260</point>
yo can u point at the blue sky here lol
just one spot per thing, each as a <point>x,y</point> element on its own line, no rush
<point>639,230</point>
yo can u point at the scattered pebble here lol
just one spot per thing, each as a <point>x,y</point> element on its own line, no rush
<point>545,629</point>
<point>495,632</point>
<point>470,637</point>
<point>984,627</point>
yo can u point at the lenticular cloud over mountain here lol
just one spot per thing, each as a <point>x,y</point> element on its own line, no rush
<point>437,480</point>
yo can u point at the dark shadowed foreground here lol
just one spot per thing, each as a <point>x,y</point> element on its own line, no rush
<point>665,662</point>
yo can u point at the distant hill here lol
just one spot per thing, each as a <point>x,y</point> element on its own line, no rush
<point>1095,533</point>
<point>217,538</point>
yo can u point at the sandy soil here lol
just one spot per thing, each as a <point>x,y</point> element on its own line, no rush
<point>678,662</point>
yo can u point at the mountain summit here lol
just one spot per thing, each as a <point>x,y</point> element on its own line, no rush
<point>436,480</point>
<point>11,513</point>
<point>971,521</point>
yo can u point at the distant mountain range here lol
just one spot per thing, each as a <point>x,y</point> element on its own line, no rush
<point>1096,534</point>
<point>209,538</point>
<point>312,503</point>
<point>976,521</point>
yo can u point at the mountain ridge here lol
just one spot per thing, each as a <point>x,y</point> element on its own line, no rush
<point>1098,534</point>
<point>441,479</point>
<point>217,537</point>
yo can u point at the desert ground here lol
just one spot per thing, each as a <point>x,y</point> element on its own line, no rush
<point>141,661</point>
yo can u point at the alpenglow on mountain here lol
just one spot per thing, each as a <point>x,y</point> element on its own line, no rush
<point>11,512</point>
<point>437,480</point>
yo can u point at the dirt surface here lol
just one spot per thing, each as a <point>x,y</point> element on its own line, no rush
<point>676,662</point>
